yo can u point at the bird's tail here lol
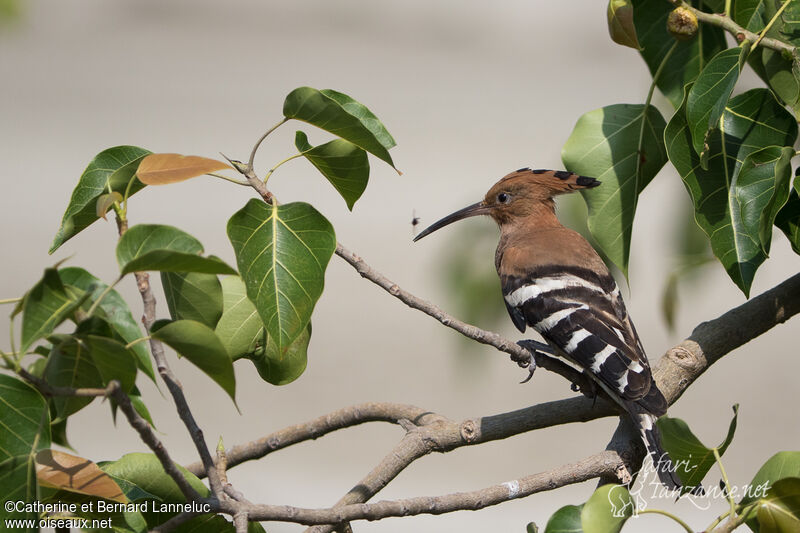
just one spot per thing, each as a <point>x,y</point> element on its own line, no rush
<point>662,463</point>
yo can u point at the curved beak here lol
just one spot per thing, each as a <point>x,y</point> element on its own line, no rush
<point>469,211</point>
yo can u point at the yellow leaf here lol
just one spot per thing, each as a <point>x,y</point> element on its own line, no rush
<point>75,474</point>
<point>105,201</point>
<point>160,169</point>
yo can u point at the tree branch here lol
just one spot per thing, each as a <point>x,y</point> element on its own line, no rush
<point>739,33</point>
<point>601,464</point>
<point>149,437</point>
<point>674,372</point>
<point>174,386</point>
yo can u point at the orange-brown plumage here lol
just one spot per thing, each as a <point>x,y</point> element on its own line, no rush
<point>555,282</point>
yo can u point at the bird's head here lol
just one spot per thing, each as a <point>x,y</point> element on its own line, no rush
<point>517,196</point>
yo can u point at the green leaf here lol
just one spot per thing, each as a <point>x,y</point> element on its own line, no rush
<point>749,14</point>
<point>686,450</point>
<point>607,509</point>
<point>24,418</point>
<point>112,168</point>
<point>788,218</point>
<point>710,94</point>
<point>18,479</point>
<point>71,365</point>
<point>565,520</point>
<point>688,58</point>
<point>110,357</point>
<point>782,74</point>
<point>242,333</point>
<point>282,252</point>
<point>751,121</point>
<point>341,115</point>
<point>58,432</point>
<point>167,249</point>
<point>198,343</point>
<point>343,163</point>
<point>169,261</point>
<point>620,23</point>
<point>779,466</point>
<point>779,511</point>
<point>621,145</point>
<point>145,471</point>
<point>193,296</point>
<point>762,190</point>
<point>240,328</point>
<point>45,306</point>
<point>113,309</point>
<point>281,367</point>
<point>135,396</point>
<point>364,115</point>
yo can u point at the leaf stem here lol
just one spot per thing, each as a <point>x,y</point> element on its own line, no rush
<point>656,75</point>
<point>727,8</point>
<point>137,341</point>
<point>683,524</point>
<point>769,24</point>
<point>10,300</point>
<point>273,169</point>
<point>10,363</point>
<point>260,140</point>
<point>226,178</point>
<point>103,295</point>
<point>725,480</point>
<point>719,519</point>
<point>658,72</point>
<point>123,213</point>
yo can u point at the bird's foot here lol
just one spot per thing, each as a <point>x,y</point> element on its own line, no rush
<point>533,347</point>
<point>588,388</point>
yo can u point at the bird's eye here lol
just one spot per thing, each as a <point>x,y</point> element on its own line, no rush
<point>502,198</point>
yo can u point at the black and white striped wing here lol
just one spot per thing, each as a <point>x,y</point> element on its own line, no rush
<point>582,314</point>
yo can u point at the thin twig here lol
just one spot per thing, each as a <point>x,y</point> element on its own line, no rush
<point>518,354</point>
<point>51,390</point>
<point>149,437</point>
<point>227,178</point>
<point>174,386</point>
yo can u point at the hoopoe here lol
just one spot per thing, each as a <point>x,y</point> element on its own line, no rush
<point>554,281</point>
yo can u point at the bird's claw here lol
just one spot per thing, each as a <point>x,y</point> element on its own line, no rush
<point>531,370</point>
<point>532,347</point>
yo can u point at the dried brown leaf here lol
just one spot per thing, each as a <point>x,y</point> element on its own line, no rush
<point>161,169</point>
<point>76,474</point>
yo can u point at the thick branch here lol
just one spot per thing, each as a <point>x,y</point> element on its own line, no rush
<point>601,464</point>
<point>313,429</point>
<point>674,372</point>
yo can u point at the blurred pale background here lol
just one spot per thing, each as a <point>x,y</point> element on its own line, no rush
<point>470,92</point>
